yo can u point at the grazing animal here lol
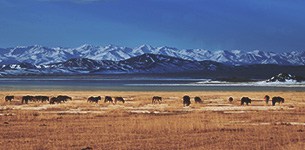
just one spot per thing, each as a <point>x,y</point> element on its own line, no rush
<point>246,100</point>
<point>64,98</point>
<point>9,98</point>
<point>186,100</point>
<point>267,98</point>
<point>198,100</point>
<point>54,100</point>
<point>156,99</point>
<point>41,98</point>
<point>230,99</point>
<point>94,99</point>
<point>26,99</point>
<point>277,100</point>
<point>45,98</point>
<point>120,99</point>
<point>108,99</point>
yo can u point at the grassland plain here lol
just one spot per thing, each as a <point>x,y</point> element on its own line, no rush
<point>138,124</point>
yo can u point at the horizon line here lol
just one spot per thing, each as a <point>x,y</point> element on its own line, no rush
<point>148,45</point>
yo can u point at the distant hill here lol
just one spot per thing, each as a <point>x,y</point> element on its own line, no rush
<point>285,77</point>
<point>151,64</point>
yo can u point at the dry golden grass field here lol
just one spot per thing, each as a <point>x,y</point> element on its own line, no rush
<point>138,124</point>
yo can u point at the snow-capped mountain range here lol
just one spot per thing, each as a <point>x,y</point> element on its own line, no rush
<point>40,55</point>
<point>143,64</point>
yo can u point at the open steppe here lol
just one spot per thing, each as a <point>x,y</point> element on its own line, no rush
<point>138,124</point>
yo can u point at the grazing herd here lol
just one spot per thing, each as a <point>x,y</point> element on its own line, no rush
<point>247,100</point>
<point>244,100</point>
<point>155,99</point>
<point>28,98</point>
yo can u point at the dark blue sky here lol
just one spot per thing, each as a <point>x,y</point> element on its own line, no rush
<point>271,25</point>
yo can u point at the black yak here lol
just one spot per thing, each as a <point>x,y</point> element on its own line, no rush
<point>108,99</point>
<point>230,99</point>
<point>267,98</point>
<point>41,98</point>
<point>9,98</point>
<point>156,99</point>
<point>246,100</point>
<point>120,99</point>
<point>63,98</point>
<point>197,99</point>
<point>277,100</point>
<point>94,99</point>
<point>54,100</point>
<point>186,100</point>
<point>26,99</point>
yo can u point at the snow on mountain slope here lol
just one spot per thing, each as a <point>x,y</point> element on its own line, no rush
<point>144,49</point>
<point>150,63</point>
<point>109,52</point>
<point>37,54</point>
<point>153,63</point>
<point>146,63</point>
<point>40,55</point>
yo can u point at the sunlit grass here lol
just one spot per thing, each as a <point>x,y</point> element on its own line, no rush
<point>139,124</point>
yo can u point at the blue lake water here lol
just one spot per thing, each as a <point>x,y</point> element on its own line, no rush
<point>128,85</point>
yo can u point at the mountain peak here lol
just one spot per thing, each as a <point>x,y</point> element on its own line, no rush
<point>28,47</point>
<point>37,46</point>
<point>237,51</point>
<point>144,49</point>
<point>110,46</point>
<point>167,48</point>
<point>145,46</point>
<point>86,46</point>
